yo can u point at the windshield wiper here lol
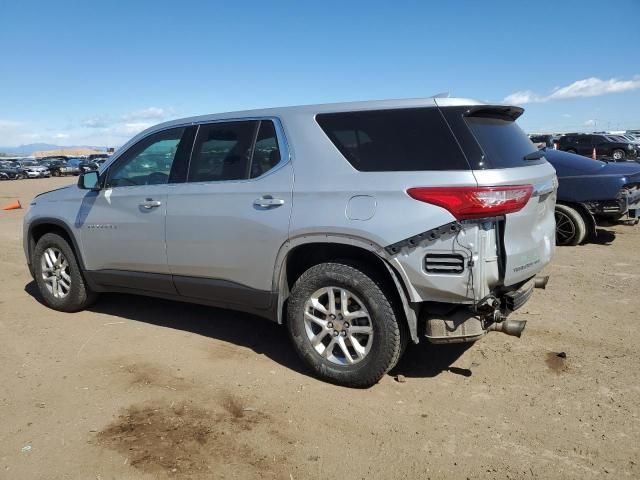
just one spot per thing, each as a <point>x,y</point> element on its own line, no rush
<point>537,155</point>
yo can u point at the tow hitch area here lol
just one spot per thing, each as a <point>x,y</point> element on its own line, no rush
<point>468,324</point>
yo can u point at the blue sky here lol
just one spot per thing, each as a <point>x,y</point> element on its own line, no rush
<point>80,72</point>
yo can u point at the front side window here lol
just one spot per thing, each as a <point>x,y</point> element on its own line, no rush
<point>148,162</point>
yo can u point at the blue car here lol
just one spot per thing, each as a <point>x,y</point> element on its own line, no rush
<point>590,191</point>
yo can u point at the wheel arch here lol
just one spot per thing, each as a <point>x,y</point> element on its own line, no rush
<point>42,226</point>
<point>300,255</point>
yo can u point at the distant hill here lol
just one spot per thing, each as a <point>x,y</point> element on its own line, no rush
<point>35,147</point>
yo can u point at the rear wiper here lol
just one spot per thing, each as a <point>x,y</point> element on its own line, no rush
<point>537,155</point>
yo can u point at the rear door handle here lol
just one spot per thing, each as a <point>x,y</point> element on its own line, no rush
<point>268,201</point>
<point>150,203</point>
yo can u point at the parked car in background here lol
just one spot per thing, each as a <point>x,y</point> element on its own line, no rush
<point>590,191</point>
<point>89,166</point>
<point>542,140</point>
<point>73,165</point>
<point>408,220</point>
<point>11,171</point>
<point>97,156</point>
<point>32,169</point>
<point>606,146</point>
<point>630,138</point>
<point>58,166</point>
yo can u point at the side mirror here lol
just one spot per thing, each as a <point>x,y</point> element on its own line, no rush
<point>89,181</point>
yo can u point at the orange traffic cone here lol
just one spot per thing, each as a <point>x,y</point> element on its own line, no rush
<point>13,206</point>
<point>593,154</point>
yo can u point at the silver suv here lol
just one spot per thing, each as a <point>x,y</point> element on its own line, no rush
<point>361,226</point>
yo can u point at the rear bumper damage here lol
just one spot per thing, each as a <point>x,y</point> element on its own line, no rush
<point>446,323</point>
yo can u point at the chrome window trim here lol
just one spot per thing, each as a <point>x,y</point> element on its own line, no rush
<point>283,146</point>
<point>105,168</point>
<point>114,158</point>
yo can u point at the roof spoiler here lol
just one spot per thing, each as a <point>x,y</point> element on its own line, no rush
<point>500,112</point>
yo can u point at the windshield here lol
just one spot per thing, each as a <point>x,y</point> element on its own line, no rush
<point>504,143</point>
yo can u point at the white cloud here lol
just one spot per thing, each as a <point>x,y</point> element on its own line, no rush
<point>129,129</point>
<point>566,115</point>
<point>151,113</point>
<point>589,87</point>
<point>7,124</point>
<point>521,96</point>
<point>31,136</point>
<point>594,87</point>
<point>96,122</point>
<point>100,129</point>
<point>590,123</point>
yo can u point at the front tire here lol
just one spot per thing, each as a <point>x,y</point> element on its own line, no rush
<point>58,275</point>
<point>571,228</point>
<point>343,326</point>
<point>618,155</point>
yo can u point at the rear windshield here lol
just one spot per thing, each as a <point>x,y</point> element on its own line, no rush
<point>394,140</point>
<point>502,141</point>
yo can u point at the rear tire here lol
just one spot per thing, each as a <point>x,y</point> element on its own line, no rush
<point>571,228</point>
<point>334,347</point>
<point>58,275</point>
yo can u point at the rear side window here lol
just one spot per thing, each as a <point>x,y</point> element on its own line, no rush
<point>234,151</point>
<point>266,153</point>
<point>394,140</point>
<point>222,151</point>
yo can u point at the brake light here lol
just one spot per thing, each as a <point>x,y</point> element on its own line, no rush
<point>475,202</point>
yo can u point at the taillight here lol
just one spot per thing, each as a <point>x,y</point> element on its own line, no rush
<point>475,202</point>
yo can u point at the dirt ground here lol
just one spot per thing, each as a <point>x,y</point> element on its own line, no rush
<point>138,388</point>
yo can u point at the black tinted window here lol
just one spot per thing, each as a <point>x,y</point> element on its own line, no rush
<point>503,142</point>
<point>394,140</point>
<point>266,153</point>
<point>222,151</point>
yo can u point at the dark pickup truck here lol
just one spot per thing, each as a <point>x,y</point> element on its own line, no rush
<point>590,191</point>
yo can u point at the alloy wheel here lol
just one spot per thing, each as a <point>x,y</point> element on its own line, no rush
<point>55,272</point>
<point>565,229</point>
<point>338,325</point>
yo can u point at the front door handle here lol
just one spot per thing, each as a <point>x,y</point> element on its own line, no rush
<point>268,201</point>
<point>150,203</point>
